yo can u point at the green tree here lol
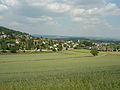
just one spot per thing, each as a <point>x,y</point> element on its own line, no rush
<point>54,49</point>
<point>60,47</point>
<point>94,52</point>
<point>13,49</point>
<point>4,47</point>
<point>87,43</point>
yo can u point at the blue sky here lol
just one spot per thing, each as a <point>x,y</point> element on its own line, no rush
<point>84,18</point>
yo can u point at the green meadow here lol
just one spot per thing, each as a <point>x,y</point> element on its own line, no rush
<point>65,70</point>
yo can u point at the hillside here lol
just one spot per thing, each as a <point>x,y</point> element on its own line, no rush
<point>10,39</point>
<point>6,31</point>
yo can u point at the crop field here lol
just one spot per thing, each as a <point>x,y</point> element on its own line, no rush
<point>65,70</point>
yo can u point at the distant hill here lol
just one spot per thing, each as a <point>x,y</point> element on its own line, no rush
<point>50,36</point>
<point>10,33</point>
<point>61,37</point>
<point>96,39</point>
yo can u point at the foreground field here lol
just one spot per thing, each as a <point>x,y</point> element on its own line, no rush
<point>66,70</point>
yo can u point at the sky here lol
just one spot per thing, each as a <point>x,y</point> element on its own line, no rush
<point>83,18</point>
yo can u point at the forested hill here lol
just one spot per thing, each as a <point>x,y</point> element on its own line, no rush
<point>10,38</point>
<point>4,30</point>
<point>15,40</point>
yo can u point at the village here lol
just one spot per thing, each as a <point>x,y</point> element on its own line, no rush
<point>26,42</point>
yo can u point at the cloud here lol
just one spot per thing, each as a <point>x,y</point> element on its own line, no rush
<point>78,11</point>
<point>109,9</point>
<point>3,7</point>
<point>60,8</point>
<point>91,27</point>
<point>78,19</point>
<point>40,19</point>
<point>86,3</point>
<point>52,5</point>
<point>1,17</point>
<point>9,2</point>
<point>14,23</point>
<point>88,20</point>
<point>43,14</point>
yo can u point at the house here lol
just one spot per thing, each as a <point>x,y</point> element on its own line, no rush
<point>11,44</point>
<point>36,42</point>
<point>17,41</point>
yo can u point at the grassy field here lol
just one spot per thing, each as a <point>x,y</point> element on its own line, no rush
<point>66,70</point>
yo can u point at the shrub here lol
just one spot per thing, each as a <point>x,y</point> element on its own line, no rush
<point>54,49</point>
<point>13,50</point>
<point>94,52</point>
<point>3,51</point>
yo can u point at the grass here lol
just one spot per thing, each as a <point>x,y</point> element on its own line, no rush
<point>65,70</point>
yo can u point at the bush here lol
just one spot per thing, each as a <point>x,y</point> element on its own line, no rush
<point>60,48</point>
<point>13,50</point>
<point>94,52</point>
<point>3,51</point>
<point>54,50</point>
